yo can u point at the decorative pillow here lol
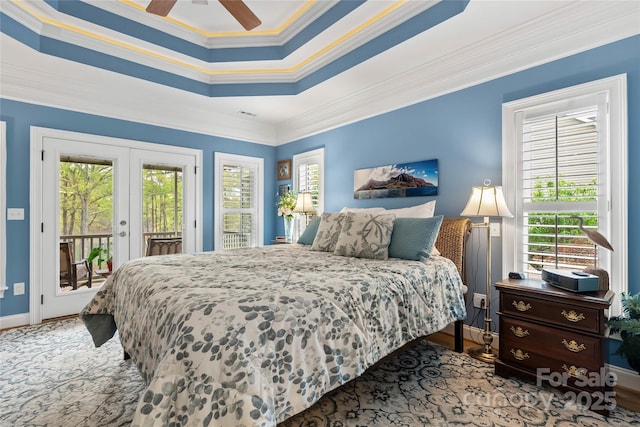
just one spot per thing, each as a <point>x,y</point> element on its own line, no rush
<point>414,238</point>
<point>365,235</point>
<point>425,210</point>
<point>310,232</point>
<point>328,232</point>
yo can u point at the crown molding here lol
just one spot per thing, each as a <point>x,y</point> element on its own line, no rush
<point>53,82</point>
<point>81,34</point>
<point>32,77</point>
<point>574,29</point>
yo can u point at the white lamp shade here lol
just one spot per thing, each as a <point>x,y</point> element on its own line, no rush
<point>304,204</point>
<point>486,201</point>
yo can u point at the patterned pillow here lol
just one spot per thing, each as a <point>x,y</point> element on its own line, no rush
<point>365,235</point>
<point>328,232</point>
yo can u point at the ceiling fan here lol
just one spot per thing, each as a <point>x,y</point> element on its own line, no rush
<point>237,8</point>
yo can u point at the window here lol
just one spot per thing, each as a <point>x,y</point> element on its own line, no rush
<point>239,201</point>
<point>564,157</point>
<point>308,176</point>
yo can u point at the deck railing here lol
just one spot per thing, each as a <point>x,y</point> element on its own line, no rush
<point>83,243</point>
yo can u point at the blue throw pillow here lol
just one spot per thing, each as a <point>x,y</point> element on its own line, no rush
<point>413,238</point>
<point>310,232</point>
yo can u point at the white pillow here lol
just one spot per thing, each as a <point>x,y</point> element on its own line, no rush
<point>425,210</point>
<point>362,210</point>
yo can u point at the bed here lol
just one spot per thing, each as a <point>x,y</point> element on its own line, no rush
<point>254,336</point>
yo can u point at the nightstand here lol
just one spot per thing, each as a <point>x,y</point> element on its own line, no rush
<point>280,242</point>
<point>555,337</point>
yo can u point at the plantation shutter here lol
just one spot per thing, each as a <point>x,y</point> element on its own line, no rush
<point>239,210</point>
<point>309,180</point>
<point>560,177</point>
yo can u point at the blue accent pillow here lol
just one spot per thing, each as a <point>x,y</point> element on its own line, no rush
<point>413,238</point>
<point>310,232</point>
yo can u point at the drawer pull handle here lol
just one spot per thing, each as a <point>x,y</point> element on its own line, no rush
<point>519,354</point>
<point>574,371</point>
<point>521,306</point>
<point>519,332</point>
<point>572,316</point>
<point>573,346</point>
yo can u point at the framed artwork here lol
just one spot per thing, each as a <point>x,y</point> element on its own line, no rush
<point>284,169</point>
<point>399,180</point>
<point>283,189</point>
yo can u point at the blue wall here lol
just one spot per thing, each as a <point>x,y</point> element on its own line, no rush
<point>463,130</point>
<point>20,116</point>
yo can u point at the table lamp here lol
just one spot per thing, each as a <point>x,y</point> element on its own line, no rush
<point>304,205</point>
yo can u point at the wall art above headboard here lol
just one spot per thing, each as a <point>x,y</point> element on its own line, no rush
<point>399,180</point>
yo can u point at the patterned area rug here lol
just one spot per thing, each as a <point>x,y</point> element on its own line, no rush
<point>51,375</point>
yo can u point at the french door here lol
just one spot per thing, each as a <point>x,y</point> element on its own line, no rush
<point>99,194</point>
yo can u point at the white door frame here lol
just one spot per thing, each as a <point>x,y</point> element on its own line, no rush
<point>36,216</point>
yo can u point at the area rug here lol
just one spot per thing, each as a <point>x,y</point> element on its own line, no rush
<point>52,375</point>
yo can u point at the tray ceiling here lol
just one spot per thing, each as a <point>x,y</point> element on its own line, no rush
<point>310,66</point>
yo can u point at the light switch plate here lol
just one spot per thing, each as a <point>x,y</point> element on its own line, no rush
<point>15,214</point>
<point>18,288</point>
<point>495,229</point>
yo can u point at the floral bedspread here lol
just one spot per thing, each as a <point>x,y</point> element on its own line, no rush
<point>252,336</point>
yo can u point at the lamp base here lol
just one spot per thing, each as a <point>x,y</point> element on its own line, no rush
<point>484,354</point>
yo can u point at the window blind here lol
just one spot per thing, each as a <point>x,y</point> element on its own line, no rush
<point>238,206</point>
<point>309,180</point>
<point>559,179</point>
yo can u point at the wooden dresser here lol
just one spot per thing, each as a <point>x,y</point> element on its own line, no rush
<point>556,337</point>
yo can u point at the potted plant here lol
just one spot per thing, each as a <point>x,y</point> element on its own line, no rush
<point>628,326</point>
<point>101,255</point>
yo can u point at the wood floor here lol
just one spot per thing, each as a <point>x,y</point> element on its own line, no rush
<point>625,398</point>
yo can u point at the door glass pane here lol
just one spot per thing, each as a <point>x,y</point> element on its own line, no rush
<point>162,207</point>
<point>86,202</point>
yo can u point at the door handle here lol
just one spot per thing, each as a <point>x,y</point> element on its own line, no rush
<point>123,234</point>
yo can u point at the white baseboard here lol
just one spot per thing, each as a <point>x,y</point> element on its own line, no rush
<point>626,377</point>
<point>14,321</point>
<point>473,333</point>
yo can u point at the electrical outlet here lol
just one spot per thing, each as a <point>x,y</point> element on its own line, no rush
<point>18,288</point>
<point>479,301</point>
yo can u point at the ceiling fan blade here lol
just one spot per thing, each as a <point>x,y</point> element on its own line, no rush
<point>242,13</point>
<point>160,7</point>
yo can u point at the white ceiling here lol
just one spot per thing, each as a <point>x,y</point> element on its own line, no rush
<point>488,39</point>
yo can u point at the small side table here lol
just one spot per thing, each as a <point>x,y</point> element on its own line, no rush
<point>281,242</point>
<point>556,337</point>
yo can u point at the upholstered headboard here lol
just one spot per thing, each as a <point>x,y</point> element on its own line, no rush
<point>452,239</point>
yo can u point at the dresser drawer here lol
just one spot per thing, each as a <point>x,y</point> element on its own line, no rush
<point>545,367</point>
<point>552,312</point>
<point>557,343</point>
